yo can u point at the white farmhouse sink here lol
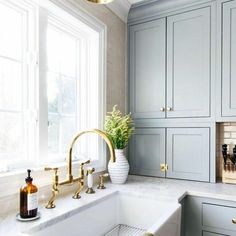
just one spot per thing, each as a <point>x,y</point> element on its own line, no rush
<point>160,218</point>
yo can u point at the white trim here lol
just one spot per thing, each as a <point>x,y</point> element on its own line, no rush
<point>26,10</point>
<point>120,8</point>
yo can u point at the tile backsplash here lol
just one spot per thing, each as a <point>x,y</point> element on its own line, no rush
<point>226,133</point>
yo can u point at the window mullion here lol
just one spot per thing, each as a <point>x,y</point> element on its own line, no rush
<point>31,60</point>
<point>42,85</point>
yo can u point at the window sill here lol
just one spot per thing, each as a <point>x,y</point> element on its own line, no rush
<point>10,182</point>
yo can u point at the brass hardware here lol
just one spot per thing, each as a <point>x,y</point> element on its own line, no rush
<point>55,190</point>
<point>80,179</point>
<point>148,234</point>
<point>234,220</point>
<point>100,1</point>
<point>169,109</point>
<point>90,171</point>
<point>101,181</point>
<point>70,179</point>
<point>90,191</point>
<point>162,109</point>
<point>96,131</point>
<point>163,167</point>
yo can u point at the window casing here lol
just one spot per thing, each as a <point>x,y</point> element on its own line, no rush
<point>59,95</point>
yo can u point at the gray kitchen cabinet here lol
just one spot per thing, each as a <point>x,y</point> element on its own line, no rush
<point>178,66</point>
<point>171,80</point>
<point>147,69</point>
<point>229,59</point>
<point>217,215</point>
<point>205,233</point>
<point>208,217</point>
<point>188,153</point>
<point>147,152</point>
<point>189,64</point>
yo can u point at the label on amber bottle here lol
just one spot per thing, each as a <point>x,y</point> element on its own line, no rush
<point>32,201</point>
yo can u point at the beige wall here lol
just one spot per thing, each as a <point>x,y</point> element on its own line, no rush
<point>116,53</point>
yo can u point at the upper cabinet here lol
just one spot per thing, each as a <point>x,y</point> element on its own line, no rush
<point>147,69</point>
<point>229,59</point>
<point>170,66</point>
<point>189,64</point>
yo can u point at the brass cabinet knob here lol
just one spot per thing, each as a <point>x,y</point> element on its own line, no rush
<point>234,220</point>
<point>169,109</point>
<point>162,109</point>
<point>163,167</point>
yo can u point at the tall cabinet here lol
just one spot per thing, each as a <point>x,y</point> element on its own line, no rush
<point>147,69</point>
<point>229,59</point>
<point>170,75</point>
<point>189,64</point>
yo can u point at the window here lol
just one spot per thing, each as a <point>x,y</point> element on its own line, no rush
<point>51,84</point>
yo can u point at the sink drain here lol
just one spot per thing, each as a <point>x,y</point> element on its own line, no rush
<point>125,230</point>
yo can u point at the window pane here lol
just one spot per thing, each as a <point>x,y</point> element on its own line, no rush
<point>74,94</point>
<point>53,91</point>
<point>10,85</point>
<point>53,49</point>
<point>53,133</point>
<point>68,130</point>
<point>11,32</point>
<point>11,133</point>
<point>68,96</point>
<point>84,146</point>
<point>62,90</point>
<point>68,55</point>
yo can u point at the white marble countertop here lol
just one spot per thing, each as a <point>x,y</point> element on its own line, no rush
<point>163,189</point>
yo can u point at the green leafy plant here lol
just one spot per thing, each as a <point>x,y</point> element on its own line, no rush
<point>118,128</point>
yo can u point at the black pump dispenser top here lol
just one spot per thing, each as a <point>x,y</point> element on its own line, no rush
<point>29,178</point>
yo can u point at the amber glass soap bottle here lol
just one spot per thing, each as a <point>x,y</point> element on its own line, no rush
<point>28,198</point>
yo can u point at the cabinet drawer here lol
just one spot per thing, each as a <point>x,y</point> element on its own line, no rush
<point>218,216</point>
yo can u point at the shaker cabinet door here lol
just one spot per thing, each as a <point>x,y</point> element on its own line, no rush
<point>147,152</point>
<point>229,59</point>
<point>188,153</point>
<point>147,69</point>
<point>189,64</point>
<point>205,233</point>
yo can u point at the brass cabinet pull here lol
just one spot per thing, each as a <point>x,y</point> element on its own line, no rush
<point>169,109</point>
<point>162,109</point>
<point>234,220</point>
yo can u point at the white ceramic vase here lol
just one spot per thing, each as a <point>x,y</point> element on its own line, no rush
<point>119,169</point>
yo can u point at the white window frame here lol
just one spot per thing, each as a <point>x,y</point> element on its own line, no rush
<point>27,9</point>
<point>36,69</point>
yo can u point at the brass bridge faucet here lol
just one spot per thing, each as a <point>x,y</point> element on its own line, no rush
<point>80,179</point>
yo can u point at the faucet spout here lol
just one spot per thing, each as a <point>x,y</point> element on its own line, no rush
<point>70,179</point>
<point>96,131</point>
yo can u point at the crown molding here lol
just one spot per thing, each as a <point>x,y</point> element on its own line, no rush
<point>150,8</point>
<point>120,8</point>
